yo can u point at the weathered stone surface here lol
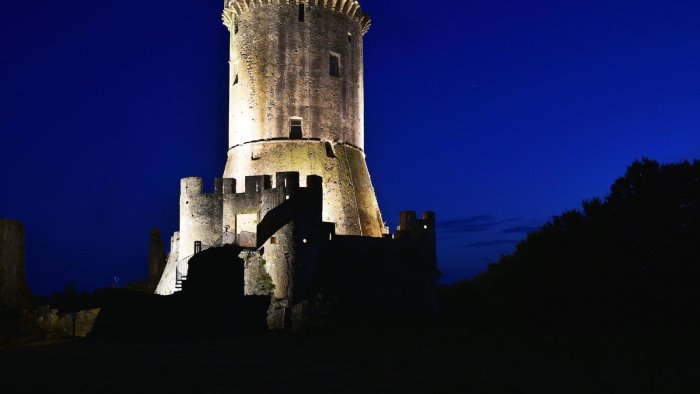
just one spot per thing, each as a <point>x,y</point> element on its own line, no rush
<point>48,323</point>
<point>166,286</point>
<point>14,292</point>
<point>256,279</point>
<point>200,215</point>
<point>280,70</point>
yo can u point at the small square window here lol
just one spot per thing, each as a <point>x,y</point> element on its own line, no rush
<point>335,65</point>
<point>273,240</point>
<point>296,129</point>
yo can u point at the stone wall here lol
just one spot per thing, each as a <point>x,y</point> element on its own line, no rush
<point>14,292</point>
<point>257,282</point>
<point>166,285</point>
<point>48,323</point>
<point>349,200</point>
<point>200,215</point>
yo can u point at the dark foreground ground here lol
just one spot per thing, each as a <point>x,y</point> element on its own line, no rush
<point>451,361</point>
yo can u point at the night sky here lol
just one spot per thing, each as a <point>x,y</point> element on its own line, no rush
<point>495,114</point>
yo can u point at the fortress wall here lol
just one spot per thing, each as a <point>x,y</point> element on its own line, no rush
<point>166,286</point>
<point>240,210</point>
<point>201,215</point>
<point>282,67</point>
<point>13,288</point>
<point>292,257</point>
<point>349,200</point>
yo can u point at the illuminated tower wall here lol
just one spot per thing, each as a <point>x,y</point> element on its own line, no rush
<point>297,101</point>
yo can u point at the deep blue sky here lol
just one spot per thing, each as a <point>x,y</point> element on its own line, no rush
<point>495,114</point>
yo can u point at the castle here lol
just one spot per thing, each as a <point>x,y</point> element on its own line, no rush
<point>296,193</point>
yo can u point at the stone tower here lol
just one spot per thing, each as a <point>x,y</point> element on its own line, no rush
<point>297,102</point>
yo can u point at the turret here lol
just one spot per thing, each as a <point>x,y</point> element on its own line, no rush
<point>200,214</point>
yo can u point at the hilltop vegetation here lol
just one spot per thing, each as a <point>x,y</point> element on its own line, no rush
<point>631,259</point>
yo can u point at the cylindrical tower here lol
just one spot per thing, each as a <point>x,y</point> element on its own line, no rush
<point>297,101</point>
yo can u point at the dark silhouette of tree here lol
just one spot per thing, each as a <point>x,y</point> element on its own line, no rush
<point>632,258</point>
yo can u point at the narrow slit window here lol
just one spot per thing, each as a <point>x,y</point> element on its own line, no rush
<point>235,27</point>
<point>349,37</point>
<point>302,12</point>
<point>235,79</point>
<point>296,128</point>
<point>335,65</point>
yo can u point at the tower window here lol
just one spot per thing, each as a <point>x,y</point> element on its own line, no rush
<point>302,11</point>
<point>349,37</point>
<point>235,27</point>
<point>335,65</point>
<point>235,80</point>
<point>295,132</point>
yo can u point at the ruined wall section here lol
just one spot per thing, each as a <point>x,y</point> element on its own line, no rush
<point>166,285</point>
<point>201,215</point>
<point>13,287</point>
<point>280,69</point>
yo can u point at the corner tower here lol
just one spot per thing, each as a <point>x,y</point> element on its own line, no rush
<point>297,101</point>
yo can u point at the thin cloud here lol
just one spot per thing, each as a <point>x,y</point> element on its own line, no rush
<point>494,242</point>
<point>519,230</point>
<point>474,224</point>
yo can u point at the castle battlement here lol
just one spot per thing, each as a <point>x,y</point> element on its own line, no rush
<point>351,8</point>
<point>194,186</point>
<point>253,185</point>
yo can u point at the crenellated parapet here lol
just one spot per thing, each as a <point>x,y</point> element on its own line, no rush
<point>351,8</point>
<point>205,216</point>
